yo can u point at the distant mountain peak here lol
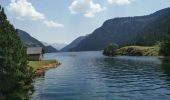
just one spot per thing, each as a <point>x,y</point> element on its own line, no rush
<point>73,43</point>
<point>57,46</point>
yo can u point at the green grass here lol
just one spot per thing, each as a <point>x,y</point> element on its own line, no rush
<point>40,64</point>
<point>139,51</point>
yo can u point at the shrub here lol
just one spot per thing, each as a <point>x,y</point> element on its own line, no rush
<point>110,50</point>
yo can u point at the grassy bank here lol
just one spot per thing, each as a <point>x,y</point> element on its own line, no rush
<point>138,51</point>
<point>41,64</point>
<point>39,67</point>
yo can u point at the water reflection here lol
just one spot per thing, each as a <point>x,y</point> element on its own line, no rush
<point>166,67</point>
<point>91,76</point>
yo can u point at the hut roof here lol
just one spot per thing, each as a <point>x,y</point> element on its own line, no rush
<point>35,50</point>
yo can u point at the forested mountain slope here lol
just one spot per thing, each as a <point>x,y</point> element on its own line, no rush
<point>140,30</point>
<point>29,41</point>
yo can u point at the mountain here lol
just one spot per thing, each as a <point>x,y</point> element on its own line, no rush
<point>45,43</point>
<point>73,43</point>
<point>50,49</point>
<point>155,31</point>
<point>140,30</point>
<point>29,41</point>
<point>57,46</point>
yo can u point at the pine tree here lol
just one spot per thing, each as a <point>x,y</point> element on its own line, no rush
<point>165,46</point>
<point>13,58</point>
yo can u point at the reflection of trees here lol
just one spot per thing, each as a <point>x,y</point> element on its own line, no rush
<point>107,66</point>
<point>166,66</point>
<point>114,67</point>
<point>127,67</point>
<point>109,61</point>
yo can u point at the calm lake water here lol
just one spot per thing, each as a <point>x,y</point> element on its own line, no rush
<point>91,76</point>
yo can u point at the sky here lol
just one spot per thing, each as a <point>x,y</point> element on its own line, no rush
<point>62,21</point>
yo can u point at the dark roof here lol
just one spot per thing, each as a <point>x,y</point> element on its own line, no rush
<point>34,50</point>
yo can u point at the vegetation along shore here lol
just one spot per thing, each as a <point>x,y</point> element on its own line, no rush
<point>39,67</point>
<point>17,73</point>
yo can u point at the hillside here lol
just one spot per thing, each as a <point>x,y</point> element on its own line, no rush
<point>29,41</point>
<point>140,30</point>
<point>73,44</point>
<point>155,31</point>
<point>50,49</point>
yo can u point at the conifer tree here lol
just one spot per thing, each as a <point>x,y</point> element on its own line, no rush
<point>13,59</point>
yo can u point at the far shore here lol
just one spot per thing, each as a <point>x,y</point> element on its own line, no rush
<point>111,50</point>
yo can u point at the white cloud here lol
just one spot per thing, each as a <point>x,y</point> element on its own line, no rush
<point>87,7</point>
<point>119,2</point>
<point>24,9</point>
<point>53,24</point>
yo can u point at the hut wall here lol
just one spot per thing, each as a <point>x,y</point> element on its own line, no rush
<point>35,57</point>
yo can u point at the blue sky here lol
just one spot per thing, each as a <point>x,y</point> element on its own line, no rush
<point>61,21</point>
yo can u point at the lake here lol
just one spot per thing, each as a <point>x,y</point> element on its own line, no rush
<point>92,76</point>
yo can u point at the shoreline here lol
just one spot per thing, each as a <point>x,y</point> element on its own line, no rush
<point>41,71</point>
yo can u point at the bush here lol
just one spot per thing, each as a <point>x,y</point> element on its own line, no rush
<point>110,50</point>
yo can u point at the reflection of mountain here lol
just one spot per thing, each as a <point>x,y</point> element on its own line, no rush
<point>130,69</point>
<point>29,41</point>
<point>129,74</point>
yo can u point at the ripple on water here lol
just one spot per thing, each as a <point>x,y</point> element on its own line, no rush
<point>91,76</point>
